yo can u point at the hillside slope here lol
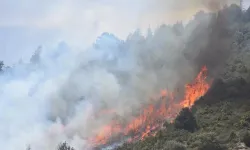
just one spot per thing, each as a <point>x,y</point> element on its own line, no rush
<point>221,118</point>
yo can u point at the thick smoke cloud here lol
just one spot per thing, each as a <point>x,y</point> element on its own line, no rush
<point>58,95</point>
<point>52,101</point>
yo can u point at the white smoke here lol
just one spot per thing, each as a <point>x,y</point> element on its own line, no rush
<point>53,100</point>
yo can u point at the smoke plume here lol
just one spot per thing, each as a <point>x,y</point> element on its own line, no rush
<point>58,95</point>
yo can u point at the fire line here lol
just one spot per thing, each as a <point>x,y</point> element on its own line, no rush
<point>152,117</point>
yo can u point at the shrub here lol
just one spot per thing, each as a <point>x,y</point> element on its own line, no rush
<point>185,120</point>
<point>174,145</point>
<point>205,141</point>
<point>245,138</point>
<point>210,145</point>
<point>245,120</point>
<point>28,148</point>
<point>64,146</point>
<point>169,126</point>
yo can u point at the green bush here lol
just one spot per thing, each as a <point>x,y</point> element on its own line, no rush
<point>185,120</point>
<point>205,141</point>
<point>245,120</point>
<point>173,145</point>
<point>175,134</point>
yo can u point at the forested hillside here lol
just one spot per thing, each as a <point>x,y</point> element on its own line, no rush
<point>219,119</point>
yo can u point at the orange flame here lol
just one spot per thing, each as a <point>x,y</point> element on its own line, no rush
<point>153,116</point>
<point>196,89</point>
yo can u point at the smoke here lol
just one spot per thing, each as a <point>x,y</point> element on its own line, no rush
<point>59,95</point>
<point>49,101</point>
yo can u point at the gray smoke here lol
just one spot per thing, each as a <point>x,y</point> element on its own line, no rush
<point>56,97</point>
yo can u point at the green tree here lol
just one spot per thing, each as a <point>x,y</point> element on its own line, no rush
<point>65,146</point>
<point>35,58</point>
<point>185,120</point>
<point>1,65</point>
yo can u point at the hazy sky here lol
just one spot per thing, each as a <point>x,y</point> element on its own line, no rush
<point>246,4</point>
<point>26,24</point>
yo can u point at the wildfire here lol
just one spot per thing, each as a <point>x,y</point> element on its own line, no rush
<point>196,89</point>
<point>153,116</point>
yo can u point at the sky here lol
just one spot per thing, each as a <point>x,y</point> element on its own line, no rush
<point>246,4</point>
<point>26,24</point>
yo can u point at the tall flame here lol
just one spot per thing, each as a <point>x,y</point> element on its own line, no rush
<point>153,116</point>
<point>196,89</point>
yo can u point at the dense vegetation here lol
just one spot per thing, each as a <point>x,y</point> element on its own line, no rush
<point>221,118</point>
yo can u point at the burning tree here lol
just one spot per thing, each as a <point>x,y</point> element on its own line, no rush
<point>152,117</point>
